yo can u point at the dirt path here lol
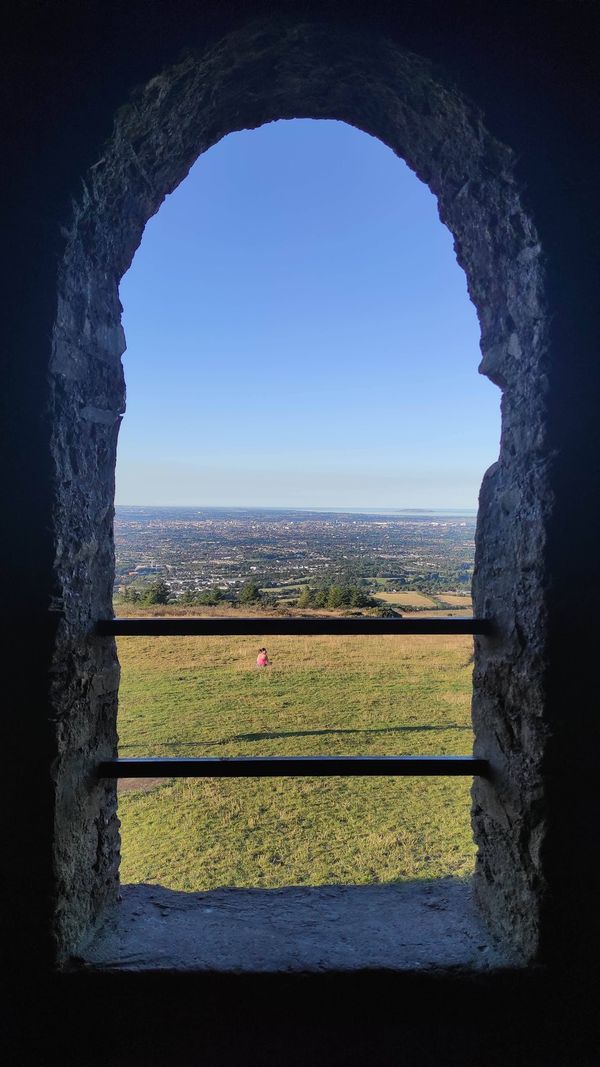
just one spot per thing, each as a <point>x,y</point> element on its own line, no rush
<point>128,785</point>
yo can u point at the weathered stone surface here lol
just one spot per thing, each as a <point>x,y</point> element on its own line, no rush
<point>265,71</point>
<point>415,926</point>
<point>532,68</point>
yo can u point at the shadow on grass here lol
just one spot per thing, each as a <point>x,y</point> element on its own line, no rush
<point>276,735</point>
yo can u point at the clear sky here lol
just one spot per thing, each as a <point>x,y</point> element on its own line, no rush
<point>300,334</point>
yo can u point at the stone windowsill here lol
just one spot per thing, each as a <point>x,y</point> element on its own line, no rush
<point>408,927</point>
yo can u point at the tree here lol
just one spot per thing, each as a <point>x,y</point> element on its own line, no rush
<point>157,593</point>
<point>358,597</point>
<point>210,597</point>
<point>335,597</point>
<point>250,592</point>
<point>305,598</point>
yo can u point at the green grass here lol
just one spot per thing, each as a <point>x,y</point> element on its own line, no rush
<point>192,696</point>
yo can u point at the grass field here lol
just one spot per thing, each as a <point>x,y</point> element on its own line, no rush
<point>407,599</point>
<point>410,599</point>
<point>457,600</point>
<point>205,696</point>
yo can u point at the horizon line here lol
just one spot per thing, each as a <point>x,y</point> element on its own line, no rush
<point>302,507</point>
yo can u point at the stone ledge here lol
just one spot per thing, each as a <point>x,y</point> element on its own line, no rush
<point>409,927</point>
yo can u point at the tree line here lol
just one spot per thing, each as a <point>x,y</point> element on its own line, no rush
<point>333,595</point>
<point>159,592</point>
<point>328,595</point>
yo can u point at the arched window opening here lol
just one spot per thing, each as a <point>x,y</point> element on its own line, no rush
<point>305,437</point>
<point>395,96</point>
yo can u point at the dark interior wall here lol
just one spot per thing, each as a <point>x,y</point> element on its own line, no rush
<point>531,67</point>
<point>311,69</point>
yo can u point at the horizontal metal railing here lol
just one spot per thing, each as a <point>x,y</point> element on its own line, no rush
<point>349,626</point>
<point>290,766</point>
<point>293,766</point>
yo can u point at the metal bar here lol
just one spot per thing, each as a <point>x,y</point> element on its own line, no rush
<point>293,766</point>
<point>188,627</point>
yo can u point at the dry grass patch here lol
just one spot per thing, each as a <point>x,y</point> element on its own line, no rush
<point>406,599</point>
<point>457,600</point>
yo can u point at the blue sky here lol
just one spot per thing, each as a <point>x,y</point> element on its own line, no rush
<point>299,334</point>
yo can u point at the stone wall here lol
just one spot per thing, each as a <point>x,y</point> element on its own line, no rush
<point>531,68</point>
<point>262,72</point>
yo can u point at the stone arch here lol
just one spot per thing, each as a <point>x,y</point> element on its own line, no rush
<point>262,72</point>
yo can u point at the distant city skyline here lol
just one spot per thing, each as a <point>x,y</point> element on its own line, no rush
<point>351,509</point>
<point>300,335</point>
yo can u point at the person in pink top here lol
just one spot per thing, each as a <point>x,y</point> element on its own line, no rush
<point>262,660</point>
